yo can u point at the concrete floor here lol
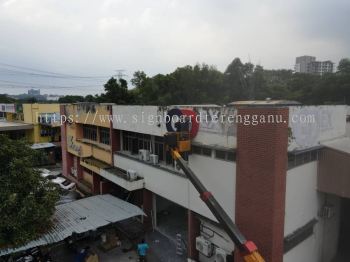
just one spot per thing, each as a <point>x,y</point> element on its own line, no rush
<point>62,253</point>
<point>161,250</point>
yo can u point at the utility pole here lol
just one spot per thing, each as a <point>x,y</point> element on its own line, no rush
<point>120,73</point>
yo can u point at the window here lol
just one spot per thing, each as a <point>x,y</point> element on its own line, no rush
<point>104,135</point>
<point>206,151</point>
<point>90,132</point>
<point>220,154</point>
<point>132,142</point>
<point>159,147</point>
<point>196,150</point>
<point>225,155</point>
<point>231,156</point>
<point>302,158</point>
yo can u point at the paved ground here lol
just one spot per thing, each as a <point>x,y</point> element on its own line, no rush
<point>161,250</point>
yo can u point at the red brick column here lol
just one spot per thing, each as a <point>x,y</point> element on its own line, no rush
<point>261,181</point>
<point>147,208</point>
<point>193,232</point>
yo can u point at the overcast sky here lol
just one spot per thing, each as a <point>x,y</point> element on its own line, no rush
<point>97,37</point>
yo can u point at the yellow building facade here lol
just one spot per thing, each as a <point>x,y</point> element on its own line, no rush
<point>87,145</point>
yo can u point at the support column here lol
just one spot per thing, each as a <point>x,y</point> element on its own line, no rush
<point>147,208</point>
<point>67,159</point>
<point>96,184</point>
<point>105,187</point>
<point>193,232</point>
<point>261,179</point>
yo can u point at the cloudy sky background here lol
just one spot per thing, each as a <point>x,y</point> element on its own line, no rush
<point>96,37</point>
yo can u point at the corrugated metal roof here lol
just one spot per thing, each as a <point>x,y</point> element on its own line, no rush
<point>81,216</point>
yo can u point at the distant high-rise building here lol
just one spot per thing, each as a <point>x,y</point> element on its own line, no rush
<point>302,62</point>
<point>34,92</point>
<point>309,65</point>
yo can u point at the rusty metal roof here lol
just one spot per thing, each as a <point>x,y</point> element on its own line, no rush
<point>81,216</point>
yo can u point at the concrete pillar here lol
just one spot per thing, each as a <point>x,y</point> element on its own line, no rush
<point>105,187</point>
<point>193,232</point>
<point>261,180</point>
<point>96,184</point>
<point>115,141</point>
<point>67,159</point>
<point>79,169</point>
<point>147,208</point>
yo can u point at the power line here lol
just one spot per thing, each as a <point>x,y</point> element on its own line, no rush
<point>47,73</point>
<point>23,85</point>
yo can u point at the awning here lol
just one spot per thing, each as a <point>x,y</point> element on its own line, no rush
<point>12,126</point>
<point>81,216</point>
<point>340,144</point>
<point>42,145</point>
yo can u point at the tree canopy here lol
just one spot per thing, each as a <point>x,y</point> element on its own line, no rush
<point>27,201</point>
<point>203,83</point>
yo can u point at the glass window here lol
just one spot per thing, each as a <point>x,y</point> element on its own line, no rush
<point>206,151</point>
<point>104,135</point>
<point>220,154</point>
<point>231,156</point>
<point>196,150</point>
<point>90,132</point>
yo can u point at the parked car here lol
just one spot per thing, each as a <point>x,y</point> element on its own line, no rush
<point>48,174</point>
<point>63,183</point>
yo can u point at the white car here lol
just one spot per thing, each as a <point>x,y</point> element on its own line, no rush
<point>63,183</point>
<point>45,173</point>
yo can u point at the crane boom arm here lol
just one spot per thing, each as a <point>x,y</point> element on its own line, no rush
<point>247,248</point>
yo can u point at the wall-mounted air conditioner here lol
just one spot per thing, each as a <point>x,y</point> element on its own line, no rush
<point>74,171</point>
<point>204,246</point>
<point>131,174</point>
<point>154,159</point>
<point>220,255</point>
<point>144,154</point>
<point>327,211</point>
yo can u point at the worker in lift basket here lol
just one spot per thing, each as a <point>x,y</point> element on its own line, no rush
<point>142,250</point>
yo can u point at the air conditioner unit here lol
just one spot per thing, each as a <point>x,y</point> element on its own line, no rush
<point>154,159</point>
<point>204,246</point>
<point>327,211</point>
<point>131,174</point>
<point>144,154</point>
<point>220,255</point>
<point>73,171</point>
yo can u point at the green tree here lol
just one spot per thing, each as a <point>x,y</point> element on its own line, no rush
<point>6,99</point>
<point>344,66</point>
<point>27,201</point>
<point>116,91</point>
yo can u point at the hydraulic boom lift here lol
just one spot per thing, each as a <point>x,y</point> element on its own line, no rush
<point>179,142</point>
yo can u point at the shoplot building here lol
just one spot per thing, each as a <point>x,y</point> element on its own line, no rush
<point>285,184</point>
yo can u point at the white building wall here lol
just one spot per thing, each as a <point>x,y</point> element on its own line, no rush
<point>303,203</point>
<point>219,176</point>
<point>140,119</point>
<point>151,120</point>
<point>311,125</point>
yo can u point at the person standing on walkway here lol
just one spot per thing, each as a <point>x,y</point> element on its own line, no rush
<point>142,250</point>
